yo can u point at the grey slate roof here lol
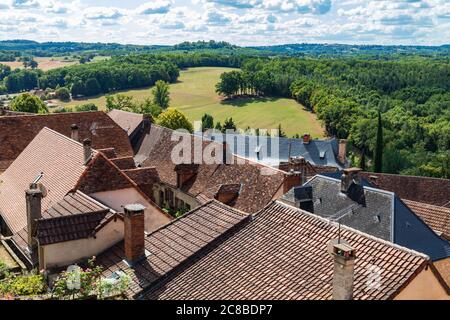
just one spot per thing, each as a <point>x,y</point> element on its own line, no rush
<point>374,211</point>
<point>317,152</point>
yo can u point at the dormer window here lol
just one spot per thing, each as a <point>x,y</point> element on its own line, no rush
<point>322,155</point>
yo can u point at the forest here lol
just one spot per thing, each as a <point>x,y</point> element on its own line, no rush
<point>412,96</point>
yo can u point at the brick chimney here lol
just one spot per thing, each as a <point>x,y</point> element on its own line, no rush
<point>74,132</point>
<point>306,138</point>
<point>291,179</point>
<point>349,176</point>
<point>33,197</point>
<point>342,153</point>
<point>87,148</point>
<point>343,274</point>
<point>228,192</point>
<point>134,236</point>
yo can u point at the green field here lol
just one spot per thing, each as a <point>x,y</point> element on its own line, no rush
<point>194,94</point>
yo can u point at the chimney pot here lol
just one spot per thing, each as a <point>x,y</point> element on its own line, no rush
<point>342,153</point>
<point>74,132</point>
<point>134,232</point>
<point>343,276</point>
<point>306,138</point>
<point>33,197</point>
<point>87,147</point>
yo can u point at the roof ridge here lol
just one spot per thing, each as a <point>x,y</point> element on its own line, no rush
<point>64,137</point>
<point>50,114</point>
<point>402,175</point>
<point>397,246</point>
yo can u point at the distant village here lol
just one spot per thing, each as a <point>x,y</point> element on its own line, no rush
<point>96,191</point>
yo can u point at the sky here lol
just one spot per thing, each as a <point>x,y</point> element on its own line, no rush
<point>241,22</point>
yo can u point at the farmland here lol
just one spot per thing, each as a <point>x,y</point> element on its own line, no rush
<point>195,95</point>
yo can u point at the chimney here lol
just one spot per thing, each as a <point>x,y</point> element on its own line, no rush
<point>342,153</point>
<point>134,232</point>
<point>225,153</point>
<point>349,176</point>
<point>291,179</point>
<point>306,138</point>
<point>33,198</point>
<point>228,192</point>
<point>343,274</point>
<point>303,196</point>
<point>87,147</point>
<point>74,132</point>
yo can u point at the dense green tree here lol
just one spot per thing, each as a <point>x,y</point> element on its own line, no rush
<point>63,94</point>
<point>174,119</point>
<point>378,156</point>
<point>207,122</point>
<point>86,107</point>
<point>78,89</point>
<point>26,102</point>
<point>161,94</point>
<point>120,101</point>
<point>92,87</point>
<point>228,124</point>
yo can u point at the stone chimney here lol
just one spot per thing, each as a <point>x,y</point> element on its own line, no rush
<point>33,197</point>
<point>291,179</point>
<point>74,132</point>
<point>342,153</point>
<point>134,232</point>
<point>349,176</point>
<point>87,147</point>
<point>343,274</point>
<point>306,138</point>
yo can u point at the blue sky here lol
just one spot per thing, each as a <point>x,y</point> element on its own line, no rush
<point>242,22</point>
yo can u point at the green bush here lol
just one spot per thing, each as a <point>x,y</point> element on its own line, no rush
<point>23,285</point>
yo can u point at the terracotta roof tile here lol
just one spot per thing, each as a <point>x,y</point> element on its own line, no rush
<point>429,190</point>
<point>128,121</point>
<point>282,254</point>
<point>18,131</point>
<point>174,244</point>
<point>259,183</point>
<point>438,218</point>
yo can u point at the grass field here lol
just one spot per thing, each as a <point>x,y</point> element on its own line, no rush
<point>194,94</point>
<point>43,63</point>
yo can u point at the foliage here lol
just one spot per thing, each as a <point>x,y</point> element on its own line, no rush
<point>61,110</point>
<point>119,101</point>
<point>82,283</point>
<point>86,107</point>
<point>378,158</point>
<point>161,94</point>
<point>26,102</point>
<point>174,119</point>
<point>63,94</point>
<point>207,122</point>
<point>22,285</point>
<point>228,125</point>
<point>3,269</point>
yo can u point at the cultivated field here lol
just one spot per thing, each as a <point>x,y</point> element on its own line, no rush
<point>194,94</point>
<point>43,63</point>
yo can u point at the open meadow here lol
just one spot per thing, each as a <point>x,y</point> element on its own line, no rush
<point>195,95</point>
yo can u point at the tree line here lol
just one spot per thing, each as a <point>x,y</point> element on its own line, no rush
<point>412,96</point>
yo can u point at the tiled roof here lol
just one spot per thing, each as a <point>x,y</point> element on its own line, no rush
<point>128,121</point>
<point>374,211</point>
<point>61,160</point>
<point>438,218</point>
<point>260,183</point>
<point>18,131</point>
<point>173,244</point>
<point>433,191</point>
<point>282,254</point>
<point>124,163</point>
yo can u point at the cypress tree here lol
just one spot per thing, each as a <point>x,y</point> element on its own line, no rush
<point>378,161</point>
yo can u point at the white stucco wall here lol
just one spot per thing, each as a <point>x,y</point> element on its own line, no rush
<point>66,253</point>
<point>117,199</point>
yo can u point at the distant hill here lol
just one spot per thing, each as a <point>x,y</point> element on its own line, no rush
<point>46,49</point>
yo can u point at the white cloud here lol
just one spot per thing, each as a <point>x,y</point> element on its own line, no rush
<point>155,7</point>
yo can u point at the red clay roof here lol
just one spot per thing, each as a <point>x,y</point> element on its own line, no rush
<point>438,218</point>
<point>173,244</point>
<point>18,131</point>
<point>260,183</point>
<point>433,191</point>
<point>282,254</point>
<point>61,159</point>
<point>128,121</point>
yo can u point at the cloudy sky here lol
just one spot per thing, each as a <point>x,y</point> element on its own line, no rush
<point>242,22</point>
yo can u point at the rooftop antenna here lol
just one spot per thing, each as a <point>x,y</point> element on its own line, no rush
<point>38,178</point>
